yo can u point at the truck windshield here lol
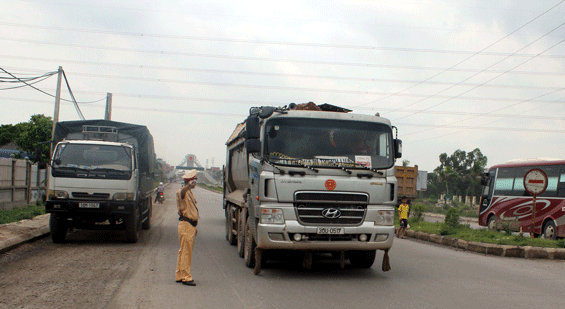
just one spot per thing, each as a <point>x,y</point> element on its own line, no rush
<point>93,157</point>
<point>319,142</point>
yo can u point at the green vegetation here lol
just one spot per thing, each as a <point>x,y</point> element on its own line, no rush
<point>29,135</point>
<point>432,205</point>
<point>464,232</point>
<point>215,188</point>
<point>21,213</point>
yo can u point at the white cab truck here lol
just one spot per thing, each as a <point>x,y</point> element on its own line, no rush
<point>312,181</point>
<point>101,177</point>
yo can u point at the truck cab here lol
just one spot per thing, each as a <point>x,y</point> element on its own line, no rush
<point>95,182</point>
<point>314,181</point>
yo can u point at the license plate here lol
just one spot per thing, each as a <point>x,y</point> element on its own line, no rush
<point>89,205</point>
<point>331,230</point>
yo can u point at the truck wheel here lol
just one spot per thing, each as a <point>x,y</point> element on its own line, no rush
<point>241,232</point>
<point>58,226</point>
<point>132,227</point>
<point>147,223</point>
<point>229,226</point>
<point>362,259</point>
<point>549,231</point>
<point>249,252</point>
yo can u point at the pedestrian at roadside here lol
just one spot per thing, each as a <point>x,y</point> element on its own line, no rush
<point>188,217</point>
<point>403,215</point>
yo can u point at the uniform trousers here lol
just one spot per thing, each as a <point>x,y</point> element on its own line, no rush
<point>187,235</point>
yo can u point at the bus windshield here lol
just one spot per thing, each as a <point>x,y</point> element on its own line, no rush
<point>319,141</point>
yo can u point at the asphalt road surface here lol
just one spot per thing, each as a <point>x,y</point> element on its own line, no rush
<point>97,269</point>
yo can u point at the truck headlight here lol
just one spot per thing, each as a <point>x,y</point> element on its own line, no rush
<point>122,196</point>
<point>272,216</point>
<point>385,217</point>
<point>57,194</point>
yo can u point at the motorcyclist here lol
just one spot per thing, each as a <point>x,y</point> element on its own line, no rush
<point>160,189</point>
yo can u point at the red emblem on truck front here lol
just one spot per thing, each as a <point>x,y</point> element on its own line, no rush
<point>330,184</point>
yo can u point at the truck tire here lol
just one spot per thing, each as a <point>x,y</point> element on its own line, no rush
<point>229,226</point>
<point>241,232</point>
<point>132,227</point>
<point>362,259</point>
<point>249,251</point>
<point>147,222</point>
<point>58,226</point>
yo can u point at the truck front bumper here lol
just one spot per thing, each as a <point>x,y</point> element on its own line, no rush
<point>282,236</point>
<point>71,208</point>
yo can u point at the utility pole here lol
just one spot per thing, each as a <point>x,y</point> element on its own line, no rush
<point>57,104</point>
<point>108,113</point>
<point>55,120</point>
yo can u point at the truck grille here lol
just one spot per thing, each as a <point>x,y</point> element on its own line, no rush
<point>93,196</point>
<point>316,208</point>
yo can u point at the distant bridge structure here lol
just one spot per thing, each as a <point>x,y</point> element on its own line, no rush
<point>190,162</point>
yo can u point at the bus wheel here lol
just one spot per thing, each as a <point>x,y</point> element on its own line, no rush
<point>549,231</point>
<point>491,223</point>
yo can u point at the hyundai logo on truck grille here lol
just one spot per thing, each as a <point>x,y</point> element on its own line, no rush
<point>331,213</point>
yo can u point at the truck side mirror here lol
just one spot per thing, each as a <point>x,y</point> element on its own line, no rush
<point>253,145</point>
<point>37,156</point>
<point>252,127</point>
<point>397,148</point>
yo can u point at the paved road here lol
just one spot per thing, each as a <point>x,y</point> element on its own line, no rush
<point>142,275</point>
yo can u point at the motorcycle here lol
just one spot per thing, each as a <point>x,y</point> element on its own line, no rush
<point>160,197</point>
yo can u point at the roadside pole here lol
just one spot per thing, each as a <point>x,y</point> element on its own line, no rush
<point>55,120</point>
<point>57,104</point>
<point>535,182</point>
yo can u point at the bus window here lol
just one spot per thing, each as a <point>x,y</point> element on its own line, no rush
<point>504,181</point>
<point>561,186</point>
<point>552,173</point>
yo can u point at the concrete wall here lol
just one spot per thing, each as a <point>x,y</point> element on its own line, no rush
<point>18,183</point>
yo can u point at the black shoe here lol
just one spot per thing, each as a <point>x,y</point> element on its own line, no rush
<point>178,281</point>
<point>191,283</point>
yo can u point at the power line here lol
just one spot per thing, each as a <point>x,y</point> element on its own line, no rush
<point>283,43</point>
<point>491,79</point>
<point>73,96</point>
<point>240,116</point>
<point>473,55</point>
<point>47,75</point>
<point>272,103</point>
<point>181,69</point>
<point>201,55</point>
<point>26,84</point>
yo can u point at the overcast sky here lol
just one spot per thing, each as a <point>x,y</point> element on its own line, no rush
<point>449,74</point>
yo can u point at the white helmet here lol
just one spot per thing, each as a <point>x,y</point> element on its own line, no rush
<point>161,184</point>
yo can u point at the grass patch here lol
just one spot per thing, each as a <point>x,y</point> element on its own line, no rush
<point>21,213</point>
<point>499,238</point>
<point>215,188</point>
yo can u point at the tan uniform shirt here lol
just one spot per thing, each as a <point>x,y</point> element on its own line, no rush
<point>187,206</point>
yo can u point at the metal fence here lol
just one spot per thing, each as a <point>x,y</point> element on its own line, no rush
<point>21,183</point>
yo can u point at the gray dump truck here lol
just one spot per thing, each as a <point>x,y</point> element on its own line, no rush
<point>101,177</point>
<point>311,178</point>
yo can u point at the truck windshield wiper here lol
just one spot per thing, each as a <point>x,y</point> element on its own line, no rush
<point>372,169</point>
<point>74,168</point>
<point>296,163</point>
<point>334,165</point>
<point>105,169</point>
